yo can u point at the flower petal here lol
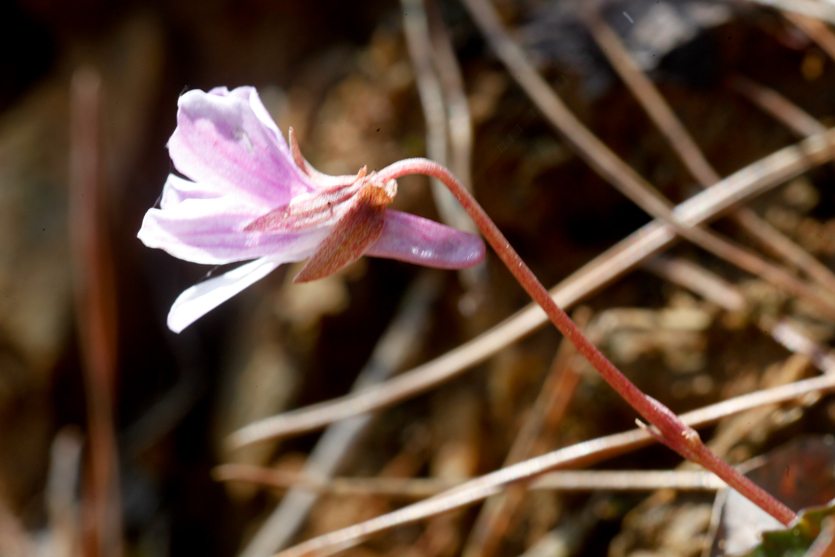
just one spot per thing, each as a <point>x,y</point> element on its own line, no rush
<point>414,239</point>
<point>212,231</point>
<point>204,296</point>
<point>176,190</point>
<point>227,142</point>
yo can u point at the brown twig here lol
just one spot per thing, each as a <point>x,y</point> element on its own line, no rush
<point>699,280</point>
<point>416,29</point>
<point>772,102</point>
<point>448,125</point>
<point>818,10</point>
<point>816,29</point>
<point>711,287</point>
<point>548,410</point>
<point>784,111</point>
<point>459,121</point>
<point>14,541</point>
<point>421,488</point>
<point>397,342</point>
<point>650,239</point>
<point>95,308</point>
<point>60,493</point>
<point>665,119</point>
<point>582,454</point>
<point>614,170</point>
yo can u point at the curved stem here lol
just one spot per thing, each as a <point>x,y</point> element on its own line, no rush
<point>670,429</point>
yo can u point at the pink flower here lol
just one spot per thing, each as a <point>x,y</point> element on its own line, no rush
<point>250,197</point>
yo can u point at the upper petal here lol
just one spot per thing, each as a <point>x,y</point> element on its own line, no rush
<point>418,240</point>
<point>176,190</point>
<point>227,141</point>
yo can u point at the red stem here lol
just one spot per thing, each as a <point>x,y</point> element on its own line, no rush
<point>671,430</point>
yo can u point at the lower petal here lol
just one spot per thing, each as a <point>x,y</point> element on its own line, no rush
<point>204,296</point>
<point>414,239</point>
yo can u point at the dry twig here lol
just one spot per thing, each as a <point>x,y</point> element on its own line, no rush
<point>579,455</point>
<point>96,307</point>
<point>666,121</point>
<point>420,488</point>
<point>395,345</point>
<point>548,410</point>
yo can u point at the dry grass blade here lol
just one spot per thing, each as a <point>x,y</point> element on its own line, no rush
<point>665,119</point>
<point>701,281</point>
<point>581,454</point>
<point>420,488</point>
<point>630,252</point>
<point>459,119</point>
<point>613,169</point>
<point>548,410</point>
<point>448,125</point>
<point>793,339</point>
<point>817,31</point>
<point>818,10</point>
<point>783,110</point>
<point>397,342</point>
<point>96,307</point>
<point>824,545</point>
<point>401,488</point>
<point>60,493</point>
<point>14,541</point>
<point>416,29</point>
<point>777,105</point>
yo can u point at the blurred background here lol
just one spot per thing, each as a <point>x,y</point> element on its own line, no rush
<point>111,426</point>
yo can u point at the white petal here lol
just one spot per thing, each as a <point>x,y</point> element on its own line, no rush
<point>176,190</point>
<point>204,296</point>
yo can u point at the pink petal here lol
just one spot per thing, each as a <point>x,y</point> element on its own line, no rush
<point>226,141</point>
<point>176,190</point>
<point>204,296</point>
<point>194,226</point>
<point>414,239</point>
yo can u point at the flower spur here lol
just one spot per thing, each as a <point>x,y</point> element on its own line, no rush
<point>251,196</point>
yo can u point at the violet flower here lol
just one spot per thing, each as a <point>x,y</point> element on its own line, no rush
<point>251,197</point>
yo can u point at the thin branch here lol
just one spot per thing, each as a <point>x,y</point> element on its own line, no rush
<point>699,280</point>
<point>459,121</point>
<point>447,114</point>
<point>816,29</point>
<point>772,102</point>
<point>416,29</point>
<point>395,345</point>
<point>60,493</point>
<point>614,170</point>
<point>14,541</point>
<point>548,410</point>
<point>582,454</point>
<point>711,287</point>
<point>783,110</point>
<point>96,306</point>
<point>420,488</point>
<point>630,252</point>
<point>665,119</point>
<point>818,10</point>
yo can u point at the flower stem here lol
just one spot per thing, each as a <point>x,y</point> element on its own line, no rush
<point>670,429</point>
